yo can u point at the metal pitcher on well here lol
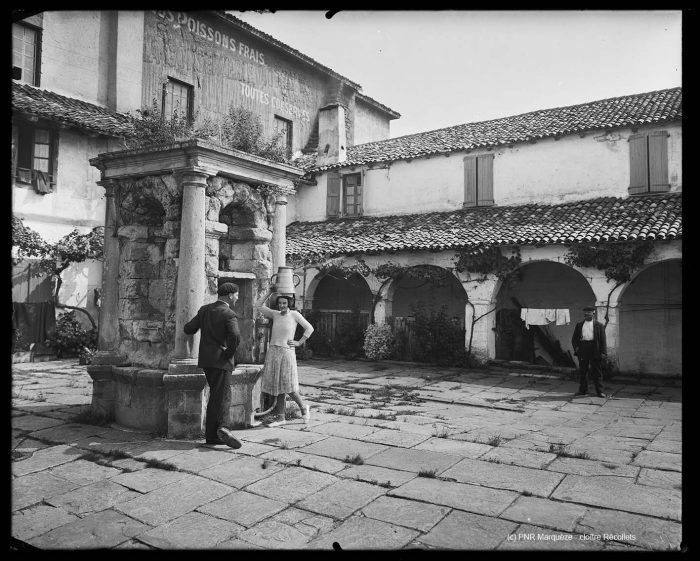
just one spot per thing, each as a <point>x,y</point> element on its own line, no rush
<point>284,280</point>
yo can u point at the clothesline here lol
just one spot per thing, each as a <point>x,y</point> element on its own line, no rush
<point>545,316</point>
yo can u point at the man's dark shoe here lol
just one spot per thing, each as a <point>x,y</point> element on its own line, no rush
<point>580,393</point>
<point>228,438</point>
<point>215,442</point>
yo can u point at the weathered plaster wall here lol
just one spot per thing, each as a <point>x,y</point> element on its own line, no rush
<point>370,126</point>
<point>548,171</point>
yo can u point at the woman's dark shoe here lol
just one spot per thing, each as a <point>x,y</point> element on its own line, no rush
<point>228,438</point>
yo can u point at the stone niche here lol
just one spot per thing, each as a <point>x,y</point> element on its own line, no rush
<point>181,219</point>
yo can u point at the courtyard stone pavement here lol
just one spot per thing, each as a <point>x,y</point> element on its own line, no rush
<point>395,456</point>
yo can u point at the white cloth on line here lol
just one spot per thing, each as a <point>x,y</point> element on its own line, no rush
<point>562,316</point>
<point>550,314</point>
<point>544,316</point>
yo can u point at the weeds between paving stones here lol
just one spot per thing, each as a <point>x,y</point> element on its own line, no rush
<point>386,484</point>
<point>561,450</point>
<point>427,473</point>
<point>495,440</point>
<point>440,432</point>
<point>356,459</point>
<point>157,464</point>
<point>90,417</point>
<point>265,464</point>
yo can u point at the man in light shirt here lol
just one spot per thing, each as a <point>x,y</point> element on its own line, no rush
<point>590,346</point>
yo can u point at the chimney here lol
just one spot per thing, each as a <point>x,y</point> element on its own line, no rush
<point>332,142</point>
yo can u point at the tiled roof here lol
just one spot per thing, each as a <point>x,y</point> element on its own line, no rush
<point>69,111</point>
<point>606,219</point>
<point>631,110</point>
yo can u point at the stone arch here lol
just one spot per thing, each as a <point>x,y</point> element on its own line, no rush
<point>146,202</point>
<point>543,284</point>
<point>650,320</point>
<point>409,291</point>
<point>341,309</point>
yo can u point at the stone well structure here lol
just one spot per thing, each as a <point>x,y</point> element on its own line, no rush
<point>181,219</point>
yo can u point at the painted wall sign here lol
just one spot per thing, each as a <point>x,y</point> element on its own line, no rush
<point>278,104</point>
<point>225,41</point>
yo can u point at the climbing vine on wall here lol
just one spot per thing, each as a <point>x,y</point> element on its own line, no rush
<point>490,260</point>
<point>618,259</point>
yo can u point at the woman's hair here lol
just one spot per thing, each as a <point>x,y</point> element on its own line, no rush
<point>290,301</point>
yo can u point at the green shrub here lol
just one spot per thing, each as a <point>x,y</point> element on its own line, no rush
<point>70,337</point>
<point>437,338</point>
<point>18,341</point>
<point>379,341</point>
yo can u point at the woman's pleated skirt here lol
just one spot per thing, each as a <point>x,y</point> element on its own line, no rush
<point>280,375</point>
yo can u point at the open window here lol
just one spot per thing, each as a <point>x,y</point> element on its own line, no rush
<point>33,156</point>
<point>344,195</point>
<point>648,163</point>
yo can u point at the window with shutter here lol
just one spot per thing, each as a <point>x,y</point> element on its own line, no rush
<point>25,53</point>
<point>478,180</point>
<point>333,194</point>
<point>352,192</point>
<point>177,100</point>
<point>33,153</point>
<point>648,162</point>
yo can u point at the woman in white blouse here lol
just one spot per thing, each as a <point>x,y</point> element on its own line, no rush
<point>280,370</point>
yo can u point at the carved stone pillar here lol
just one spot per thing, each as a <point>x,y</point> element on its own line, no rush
<point>190,275</point>
<point>108,328</point>
<point>278,245</point>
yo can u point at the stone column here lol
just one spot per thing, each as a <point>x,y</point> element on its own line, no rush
<point>278,245</point>
<point>108,328</point>
<point>190,273</point>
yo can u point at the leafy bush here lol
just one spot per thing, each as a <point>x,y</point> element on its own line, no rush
<point>70,337</point>
<point>241,129</point>
<point>18,341</point>
<point>379,341</point>
<point>438,339</point>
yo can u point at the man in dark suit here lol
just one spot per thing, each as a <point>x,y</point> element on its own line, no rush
<point>590,346</point>
<point>217,345</point>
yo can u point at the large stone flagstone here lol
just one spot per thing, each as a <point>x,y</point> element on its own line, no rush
<point>83,472</point>
<point>659,460</point>
<point>341,448</point>
<point>174,500</point>
<point>274,535</point>
<point>364,533</point>
<point>38,520</point>
<point>194,530</point>
<point>44,459</point>
<point>503,476</point>
<point>200,459</point>
<point>457,447</point>
<point>241,471</point>
<point>543,512</point>
<point>148,479</point>
<point>620,493</point>
<point>578,466</point>
<point>281,436</point>
<point>243,508</point>
<point>642,531</point>
<point>344,430</point>
<point>318,463</point>
<point>413,460</point>
<point>342,498</point>
<point>33,488</point>
<point>660,478</point>
<point>396,438</point>
<point>462,496</point>
<point>518,457</point>
<point>93,498</point>
<point>464,530</point>
<point>411,514</point>
<point>291,484</point>
<point>101,530</point>
<point>31,423</point>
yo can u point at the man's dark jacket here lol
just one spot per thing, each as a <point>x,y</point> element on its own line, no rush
<point>599,342</point>
<point>220,335</point>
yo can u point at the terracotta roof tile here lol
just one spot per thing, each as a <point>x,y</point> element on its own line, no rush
<point>69,111</point>
<point>631,110</point>
<point>607,219</point>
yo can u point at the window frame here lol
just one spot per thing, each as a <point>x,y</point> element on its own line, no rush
<point>37,53</point>
<point>189,88</point>
<point>288,133</point>
<point>478,177</point>
<point>24,177</point>
<point>648,158</point>
<point>342,194</point>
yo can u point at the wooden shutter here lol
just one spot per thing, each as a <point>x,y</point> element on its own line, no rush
<point>484,176</point>
<point>352,190</point>
<point>358,191</point>
<point>639,161</point>
<point>658,161</point>
<point>469,181</point>
<point>333,194</point>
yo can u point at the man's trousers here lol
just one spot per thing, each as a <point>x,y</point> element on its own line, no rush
<point>218,381</point>
<point>586,360</point>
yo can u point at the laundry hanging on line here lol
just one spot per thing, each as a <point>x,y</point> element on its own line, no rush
<point>545,316</point>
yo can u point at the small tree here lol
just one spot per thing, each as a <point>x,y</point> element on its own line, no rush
<point>55,258</point>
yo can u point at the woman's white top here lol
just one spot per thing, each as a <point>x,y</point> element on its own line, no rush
<point>284,326</point>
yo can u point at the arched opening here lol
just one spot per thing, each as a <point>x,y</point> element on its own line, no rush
<point>543,285</point>
<point>650,319</point>
<point>340,313</point>
<point>428,305</point>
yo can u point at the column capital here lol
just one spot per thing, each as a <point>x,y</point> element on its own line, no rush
<point>110,186</point>
<point>195,175</point>
<point>281,199</point>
